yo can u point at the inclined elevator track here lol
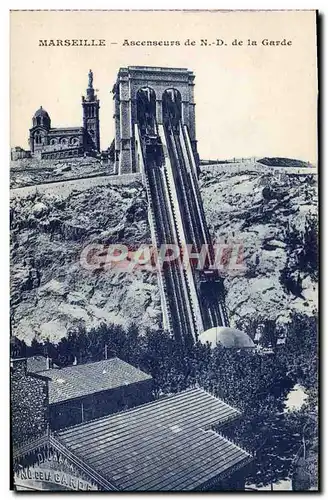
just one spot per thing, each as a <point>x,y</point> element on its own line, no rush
<point>180,296</point>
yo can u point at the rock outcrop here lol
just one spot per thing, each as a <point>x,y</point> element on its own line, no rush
<point>51,292</point>
<point>254,210</point>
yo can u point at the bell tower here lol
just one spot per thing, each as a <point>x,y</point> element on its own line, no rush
<point>90,106</point>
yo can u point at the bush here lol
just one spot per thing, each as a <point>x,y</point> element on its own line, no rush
<point>257,385</point>
<point>302,256</point>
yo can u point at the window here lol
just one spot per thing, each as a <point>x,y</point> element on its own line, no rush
<point>38,138</point>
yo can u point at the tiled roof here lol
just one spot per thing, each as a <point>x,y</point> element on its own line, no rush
<point>165,445</point>
<point>81,380</point>
<point>77,129</point>
<point>36,364</point>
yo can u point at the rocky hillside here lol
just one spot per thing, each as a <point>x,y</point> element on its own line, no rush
<point>257,211</point>
<point>30,171</point>
<point>51,292</point>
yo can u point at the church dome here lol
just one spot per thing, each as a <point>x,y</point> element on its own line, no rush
<point>41,118</point>
<point>226,337</point>
<point>42,113</point>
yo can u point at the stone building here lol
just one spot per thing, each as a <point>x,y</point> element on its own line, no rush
<point>132,85</point>
<point>84,392</point>
<point>18,153</point>
<point>29,402</point>
<point>77,393</point>
<point>176,443</point>
<point>47,142</point>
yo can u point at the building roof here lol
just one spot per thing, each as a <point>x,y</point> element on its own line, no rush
<point>165,69</point>
<point>81,380</point>
<point>41,112</point>
<point>36,364</point>
<point>226,337</point>
<point>62,129</point>
<point>165,445</point>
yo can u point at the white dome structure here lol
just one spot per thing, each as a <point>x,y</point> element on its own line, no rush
<point>226,337</point>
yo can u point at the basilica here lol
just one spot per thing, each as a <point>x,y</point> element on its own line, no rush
<point>56,143</point>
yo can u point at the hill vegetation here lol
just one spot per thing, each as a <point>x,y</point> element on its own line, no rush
<point>283,162</point>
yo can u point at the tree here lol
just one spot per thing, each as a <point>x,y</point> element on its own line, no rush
<point>301,350</point>
<point>255,384</point>
<point>18,348</point>
<point>302,255</point>
<point>304,424</point>
<point>35,349</point>
<point>250,324</point>
<point>270,333</point>
<point>308,256</point>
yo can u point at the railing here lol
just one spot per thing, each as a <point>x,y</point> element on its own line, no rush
<point>188,279</point>
<point>154,232</point>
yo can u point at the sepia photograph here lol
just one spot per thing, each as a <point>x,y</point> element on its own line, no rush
<point>164,251</point>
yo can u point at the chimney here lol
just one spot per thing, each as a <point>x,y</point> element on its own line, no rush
<point>48,363</point>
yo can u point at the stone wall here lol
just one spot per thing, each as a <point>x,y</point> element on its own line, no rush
<point>129,81</point>
<point>29,403</point>
<point>18,153</point>
<point>57,154</point>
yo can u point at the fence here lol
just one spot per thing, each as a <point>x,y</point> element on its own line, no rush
<point>250,166</point>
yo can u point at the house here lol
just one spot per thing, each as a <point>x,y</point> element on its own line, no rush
<point>176,443</point>
<point>79,393</point>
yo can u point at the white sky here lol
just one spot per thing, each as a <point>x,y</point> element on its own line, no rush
<point>250,101</point>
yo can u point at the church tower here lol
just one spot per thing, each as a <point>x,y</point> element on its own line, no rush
<point>90,105</point>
